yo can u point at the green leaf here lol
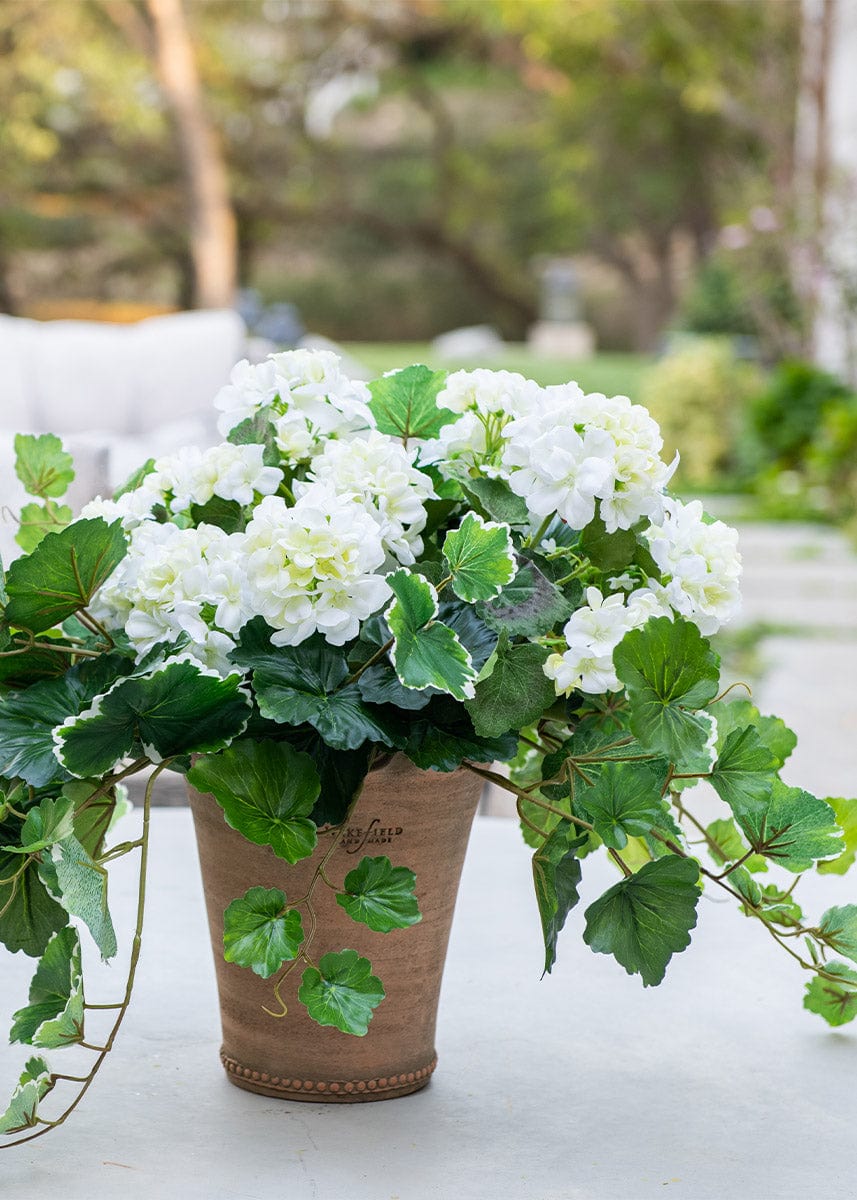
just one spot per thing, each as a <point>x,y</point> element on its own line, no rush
<point>846,819</point>
<point>608,551</point>
<point>645,919</point>
<point>298,684</point>
<point>772,731</point>
<point>724,833</point>
<point>342,774</point>
<point>405,404</point>
<point>838,930</point>
<point>82,885</point>
<point>23,670</point>
<point>135,479</point>
<point>442,736</point>
<point>556,876</point>
<point>477,639</point>
<point>48,822</point>
<point>380,895</point>
<point>379,684</point>
<point>791,827</point>
<point>498,500</point>
<point>54,1016</point>
<point>745,769</point>
<point>260,932</point>
<point>33,1086</point>
<point>42,465</point>
<point>227,515</point>
<point>426,653</point>
<point>835,1000</point>
<point>257,431</point>
<point>63,573</point>
<point>267,791</point>
<point>342,992</point>
<point>37,520</point>
<point>480,558</point>
<point>625,800</point>
<point>529,606</point>
<point>29,916</point>
<point>515,694</point>
<point>90,825</point>
<point>27,723</point>
<point>669,671</point>
<point>180,708</point>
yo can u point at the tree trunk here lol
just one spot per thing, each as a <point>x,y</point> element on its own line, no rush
<point>213,241</point>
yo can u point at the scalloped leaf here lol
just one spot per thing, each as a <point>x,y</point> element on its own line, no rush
<point>404,404</point>
<point>426,653</point>
<point>180,708</point>
<point>34,1084</point>
<point>380,895</point>
<point>342,991</point>
<point>480,558</point>
<point>41,464</point>
<point>515,693</point>
<point>834,1000</point>
<point>267,791</point>
<point>261,932</point>
<point>63,573</point>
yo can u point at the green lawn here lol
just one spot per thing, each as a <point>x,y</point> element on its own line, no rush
<point>613,374</point>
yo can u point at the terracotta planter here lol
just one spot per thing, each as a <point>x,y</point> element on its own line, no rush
<point>419,819</point>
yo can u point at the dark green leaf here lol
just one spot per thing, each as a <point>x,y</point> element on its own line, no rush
<point>442,736</point>
<point>179,709</point>
<point>477,639</point>
<point>267,791</point>
<point>791,827</point>
<point>227,515</point>
<point>556,876</point>
<point>28,914</point>
<point>625,800</point>
<point>54,1016</point>
<point>342,992</point>
<point>260,932</point>
<point>745,769</point>
<point>835,1000</point>
<point>645,919</point>
<point>63,573</point>
<point>48,822</point>
<point>498,500</point>
<point>608,551</point>
<point>669,671</point>
<point>380,684</point>
<point>426,653</point>
<point>515,694</point>
<point>42,465</point>
<point>342,774</point>
<point>529,606</point>
<point>405,404</point>
<point>480,558</point>
<point>729,846</point>
<point>380,895</point>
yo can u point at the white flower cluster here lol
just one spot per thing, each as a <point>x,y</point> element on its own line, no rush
<point>377,472</point>
<point>306,396</point>
<point>573,449</point>
<point>701,565</point>
<point>487,401</point>
<point>180,581</point>
<point>592,634</point>
<point>312,567</point>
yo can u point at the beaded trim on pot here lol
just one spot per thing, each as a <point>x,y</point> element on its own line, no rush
<point>349,1087</point>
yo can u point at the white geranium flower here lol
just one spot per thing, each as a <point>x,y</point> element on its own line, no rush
<point>701,565</point>
<point>488,392</point>
<point>131,509</point>
<point>194,476</point>
<point>592,634</point>
<point>251,387</point>
<point>378,472</point>
<point>312,567</point>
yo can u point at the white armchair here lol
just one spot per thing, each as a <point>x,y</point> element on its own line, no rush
<point>115,394</point>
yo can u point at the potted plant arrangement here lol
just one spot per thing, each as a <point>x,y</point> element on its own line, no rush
<point>337,623</point>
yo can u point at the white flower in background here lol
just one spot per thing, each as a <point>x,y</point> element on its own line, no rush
<point>555,468</point>
<point>179,581</point>
<point>592,634</point>
<point>194,476</point>
<point>312,567</point>
<point>251,387</point>
<point>378,472</point>
<point>701,565</point>
<point>131,509</point>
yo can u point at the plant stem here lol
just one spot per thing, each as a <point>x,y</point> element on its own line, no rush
<point>132,969</point>
<point>368,663</point>
<point>535,538</point>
